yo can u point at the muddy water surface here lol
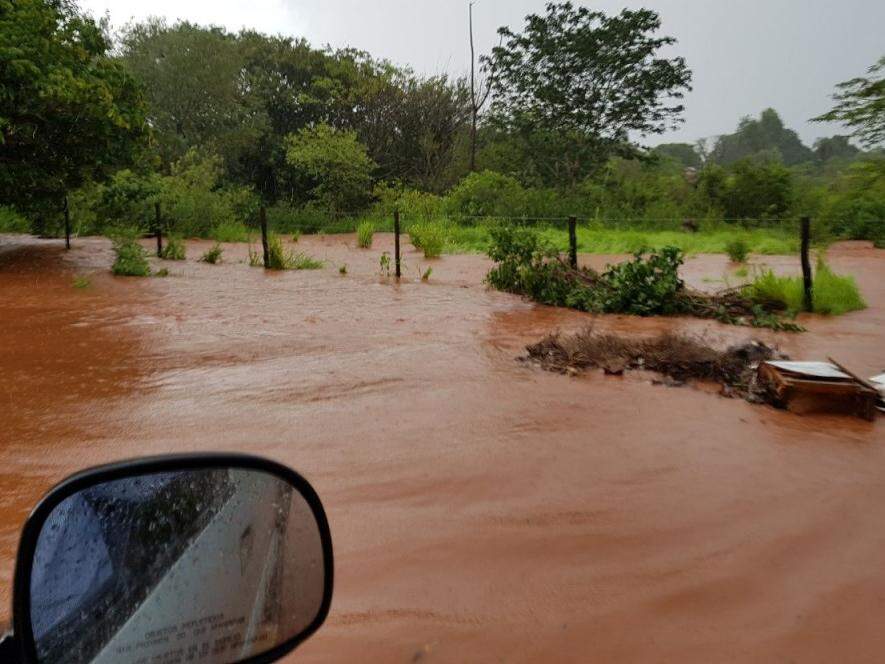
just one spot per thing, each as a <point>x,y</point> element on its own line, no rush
<point>481,510</point>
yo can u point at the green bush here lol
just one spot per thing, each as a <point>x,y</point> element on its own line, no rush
<point>364,233</point>
<point>12,222</point>
<point>737,250</point>
<point>486,194</point>
<point>213,255</point>
<point>174,249</point>
<point>429,238</point>
<point>131,258</point>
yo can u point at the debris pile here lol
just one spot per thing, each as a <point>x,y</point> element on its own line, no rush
<point>678,357</point>
<point>752,371</point>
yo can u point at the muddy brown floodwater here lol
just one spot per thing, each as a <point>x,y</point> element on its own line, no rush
<point>481,510</point>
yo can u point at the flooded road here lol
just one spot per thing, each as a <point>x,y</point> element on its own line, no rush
<point>481,510</point>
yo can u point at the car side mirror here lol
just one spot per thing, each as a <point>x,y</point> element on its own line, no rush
<point>198,558</point>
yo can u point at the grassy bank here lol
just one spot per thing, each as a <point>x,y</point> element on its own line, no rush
<point>460,239</point>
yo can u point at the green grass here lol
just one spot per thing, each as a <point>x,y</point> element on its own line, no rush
<point>213,256</point>
<point>230,232</point>
<point>174,249</point>
<point>364,233</point>
<point>81,282</point>
<point>832,294</point>
<point>475,239</point>
<point>279,258</point>
<point>429,237</point>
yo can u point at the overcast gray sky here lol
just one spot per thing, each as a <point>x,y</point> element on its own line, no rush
<point>746,54</point>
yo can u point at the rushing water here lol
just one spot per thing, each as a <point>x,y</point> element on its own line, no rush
<point>481,510</point>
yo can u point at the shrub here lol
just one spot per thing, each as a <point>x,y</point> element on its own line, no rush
<point>131,258</point>
<point>364,233</point>
<point>428,237</point>
<point>737,250</point>
<point>486,194</point>
<point>213,256</point>
<point>12,222</point>
<point>647,285</point>
<point>164,272</point>
<point>174,249</point>
<point>296,235</point>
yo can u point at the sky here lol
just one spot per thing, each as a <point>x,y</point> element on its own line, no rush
<point>746,55</point>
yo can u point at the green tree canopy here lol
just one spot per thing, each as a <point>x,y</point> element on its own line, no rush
<point>68,113</point>
<point>581,72</point>
<point>335,166</point>
<point>767,135</point>
<point>860,104</point>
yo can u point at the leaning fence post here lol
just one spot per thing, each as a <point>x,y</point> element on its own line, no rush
<point>806,263</point>
<point>67,226</point>
<point>396,242</point>
<point>262,218</point>
<point>573,242</point>
<point>158,227</point>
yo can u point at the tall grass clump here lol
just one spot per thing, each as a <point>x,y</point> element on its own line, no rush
<point>212,256</point>
<point>832,294</point>
<point>279,258</point>
<point>737,250</point>
<point>364,233</point>
<point>131,258</point>
<point>429,238</point>
<point>174,249</point>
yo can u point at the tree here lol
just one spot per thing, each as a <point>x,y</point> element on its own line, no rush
<point>685,153</point>
<point>835,147</point>
<point>766,135</point>
<point>860,104</point>
<point>758,190</point>
<point>68,113</point>
<point>581,72</point>
<point>335,166</point>
<point>198,95</point>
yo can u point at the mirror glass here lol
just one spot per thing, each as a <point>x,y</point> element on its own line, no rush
<point>212,565</point>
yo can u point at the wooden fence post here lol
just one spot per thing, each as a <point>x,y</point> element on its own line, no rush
<point>573,242</point>
<point>806,263</point>
<point>67,226</point>
<point>262,218</point>
<point>396,242</point>
<point>158,228</point>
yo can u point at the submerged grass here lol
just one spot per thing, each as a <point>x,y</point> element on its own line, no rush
<point>174,249</point>
<point>832,294</point>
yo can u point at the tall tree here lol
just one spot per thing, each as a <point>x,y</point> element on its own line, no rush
<point>581,72</point>
<point>198,94</point>
<point>766,135</point>
<point>68,113</point>
<point>860,104</point>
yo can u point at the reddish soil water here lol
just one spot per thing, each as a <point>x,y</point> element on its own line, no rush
<point>482,510</point>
